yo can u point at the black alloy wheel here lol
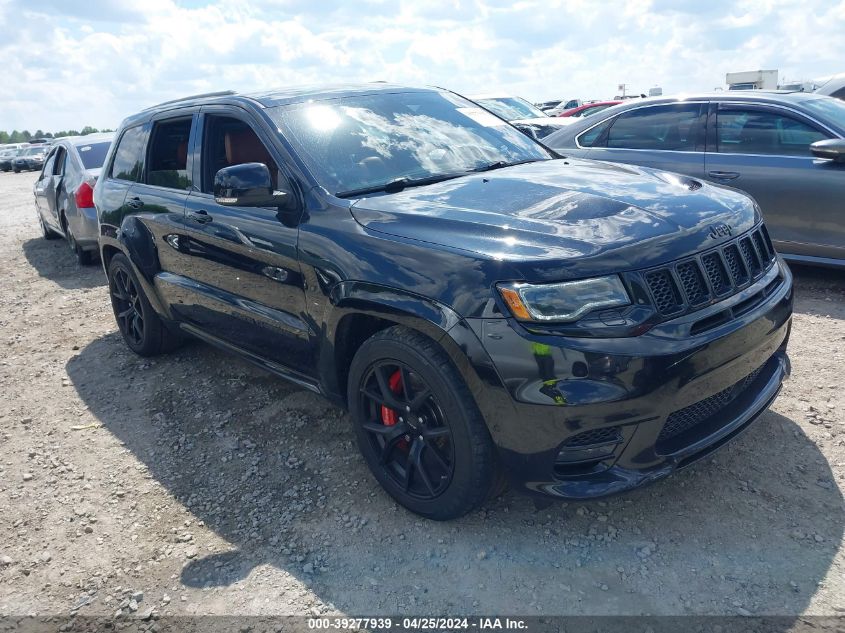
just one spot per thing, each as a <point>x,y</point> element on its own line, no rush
<point>408,429</point>
<point>127,307</point>
<point>142,329</point>
<point>418,426</point>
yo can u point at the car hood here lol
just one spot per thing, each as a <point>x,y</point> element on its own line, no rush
<point>565,218</point>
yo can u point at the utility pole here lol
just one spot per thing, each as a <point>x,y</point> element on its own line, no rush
<point>622,87</point>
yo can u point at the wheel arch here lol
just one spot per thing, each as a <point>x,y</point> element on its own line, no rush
<point>136,243</point>
<point>359,310</point>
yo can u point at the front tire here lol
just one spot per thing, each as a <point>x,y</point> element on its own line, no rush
<point>418,427</point>
<point>142,329</point>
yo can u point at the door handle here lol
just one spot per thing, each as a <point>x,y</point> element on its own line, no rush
<point>135,203</point>
<point>200,216</point>
<point>723,175</point>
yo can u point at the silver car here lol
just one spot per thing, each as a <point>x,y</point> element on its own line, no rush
<point>785,149</point>
<point>521,114</point>
<point>64,192</point>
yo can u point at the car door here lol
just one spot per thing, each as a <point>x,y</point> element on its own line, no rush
<point>52,195</point>
<point>42,186</point>
<point>125,168</point>
<point>157,198</point>
<point>245,258</point>
<point>764,150</point>
<point>667,136</point>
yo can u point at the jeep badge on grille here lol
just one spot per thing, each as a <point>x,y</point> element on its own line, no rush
<point>720,230</point>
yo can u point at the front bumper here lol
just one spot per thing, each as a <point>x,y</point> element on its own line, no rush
<point>588,417</point>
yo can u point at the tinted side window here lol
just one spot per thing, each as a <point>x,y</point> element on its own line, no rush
<point>591,137</point>
<point>839,94</point>
<point>128,163</point>
<point>168,157</point>
<point>665,127</point>
<point>740,131</point>
<point>61,160</point>
<point>47,170</point>
<point>229,141</point>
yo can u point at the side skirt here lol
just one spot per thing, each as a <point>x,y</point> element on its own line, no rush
<point>274,368</point>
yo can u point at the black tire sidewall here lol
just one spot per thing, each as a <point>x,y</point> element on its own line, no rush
<point>151,342</point>
<point>462,495</point>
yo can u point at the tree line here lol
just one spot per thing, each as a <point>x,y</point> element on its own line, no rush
<point>24,136</point>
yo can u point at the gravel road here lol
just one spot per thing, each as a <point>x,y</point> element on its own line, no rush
<point>195,484</point>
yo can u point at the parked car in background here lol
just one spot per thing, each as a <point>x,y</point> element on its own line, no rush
<point>563,106</point>
<point>833,87</point>
<point>30,159</point>
<point>544,106</point>
<point>64,192</point>
<point>588,109</point>
<point>7,157</point>
<point>785,149</point>
<point>482,308</point>
<point>519,113</point>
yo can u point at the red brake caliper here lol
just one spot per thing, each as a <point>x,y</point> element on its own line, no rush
<point>388,416</point>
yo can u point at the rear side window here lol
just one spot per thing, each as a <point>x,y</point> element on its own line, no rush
<point>168,156</point>
<point>93,155</point>
<point>839,94</point>
<point>665,127</point>
<point>594,136</point>
<point>745,131</point>
<point>128,161</point>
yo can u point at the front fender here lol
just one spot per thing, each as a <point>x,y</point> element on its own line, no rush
<point>435,320</point>
<point>358,298</point>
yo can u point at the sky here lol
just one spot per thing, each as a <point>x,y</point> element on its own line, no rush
<point>71,63</point>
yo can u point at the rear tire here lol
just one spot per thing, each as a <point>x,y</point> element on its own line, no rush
<point>46,232</point>
<point>430,450</point>
<point>83,257</point>
<point>141,327</point>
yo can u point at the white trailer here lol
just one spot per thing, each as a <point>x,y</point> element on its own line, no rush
<point>752,80</point>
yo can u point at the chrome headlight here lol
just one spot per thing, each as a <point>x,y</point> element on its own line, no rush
<point>565,301</point>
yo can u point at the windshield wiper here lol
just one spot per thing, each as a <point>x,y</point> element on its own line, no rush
<point>398,184</point>
<point>499,164</point>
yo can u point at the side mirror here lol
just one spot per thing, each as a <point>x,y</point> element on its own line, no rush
<point>247,185</point>
<point>832,149</point>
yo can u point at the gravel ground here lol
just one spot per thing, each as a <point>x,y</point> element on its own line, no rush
<point>195,484</point>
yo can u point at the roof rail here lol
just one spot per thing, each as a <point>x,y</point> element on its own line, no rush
<point>220,93</point>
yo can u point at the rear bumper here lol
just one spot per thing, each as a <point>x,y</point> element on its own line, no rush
<point>85,229</point>
<point>585,418</point>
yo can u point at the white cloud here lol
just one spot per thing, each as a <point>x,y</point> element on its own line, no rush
<point>73,64</point>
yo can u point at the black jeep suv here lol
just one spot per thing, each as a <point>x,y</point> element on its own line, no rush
<point>487,311</point>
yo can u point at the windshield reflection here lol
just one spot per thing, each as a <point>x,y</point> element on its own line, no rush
<point>367,141</point>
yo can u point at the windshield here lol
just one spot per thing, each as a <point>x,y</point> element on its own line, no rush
<point>360,142</point>
<point>32,151</point>
<point>512,108</point>
<point>94,154</point>
<point>829,109</point>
